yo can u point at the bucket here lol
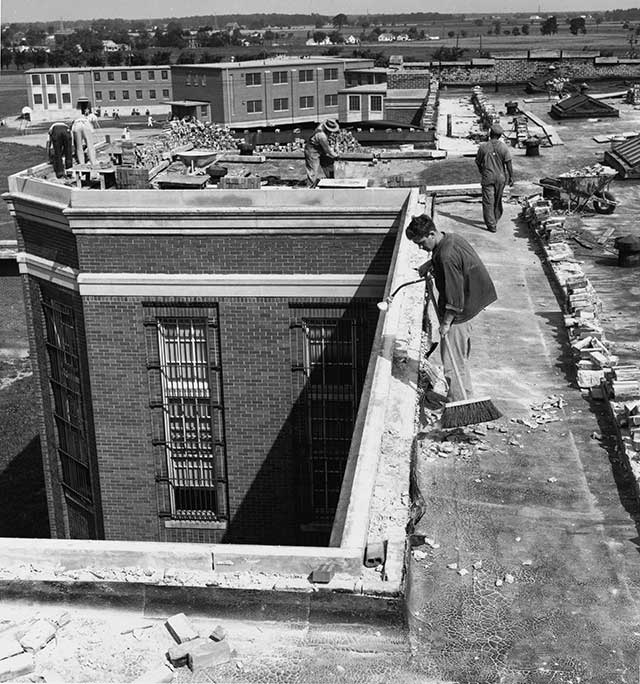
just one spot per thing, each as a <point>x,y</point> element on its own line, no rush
<point>532,146</point>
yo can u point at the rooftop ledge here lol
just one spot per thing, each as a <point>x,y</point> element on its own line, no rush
<point>372,509</point>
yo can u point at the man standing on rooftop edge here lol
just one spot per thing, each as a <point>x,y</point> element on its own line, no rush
<point>464,287</point>
<point>493,160</point>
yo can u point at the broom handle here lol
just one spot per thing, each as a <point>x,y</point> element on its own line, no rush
<point>445,342</point>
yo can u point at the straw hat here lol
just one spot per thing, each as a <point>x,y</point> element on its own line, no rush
<point>331,126</point>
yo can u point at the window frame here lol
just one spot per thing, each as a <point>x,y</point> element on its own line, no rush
<point>280,100</point>
<point>254,107</point>
<point>354,98</point>
<point>305,98</point>
<point>255,77</point>
<point>308,73</point>
<point>331,71</point>
<point>280,80</point>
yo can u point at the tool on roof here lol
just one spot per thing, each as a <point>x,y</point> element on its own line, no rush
<point>384,304</point>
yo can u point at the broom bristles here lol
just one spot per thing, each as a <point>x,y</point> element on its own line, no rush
<point>468,412</point>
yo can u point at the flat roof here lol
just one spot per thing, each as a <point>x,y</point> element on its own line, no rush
<point>187,103</point>
<point>366,88</point>
<point>146,67</point>
<point>273,62</point>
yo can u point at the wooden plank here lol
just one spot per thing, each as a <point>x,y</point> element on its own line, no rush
<point>549,130</point>
<point>454,189</point>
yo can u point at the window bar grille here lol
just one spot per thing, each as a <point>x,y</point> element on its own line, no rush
<point>192,444</point>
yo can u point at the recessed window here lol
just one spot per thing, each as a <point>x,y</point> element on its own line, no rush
<point>152,94</point>
<point>305,75</point>
<point>125,94</point>
<point>375,104</point>
<point>35,79</point>
<point>330,74</point>
<point>124,76</point>
<point>165,92</point>
<point>138,94</point>
<point>112,94</point>
<point>152,75</point>
<point>203,80</point>
<point>193,417</point>
<point>64,79</point>
<point>137,75</point>
<point>66,98</point>
<point>354,103</point>
<point>37,98</point>
<point>204,109</point>
<point>98,95</point>
<point>253,79</point>
<point>51,98</point>
<point>110,76</point>
<point>306,102</point>
<point>280,77</point>
<point>51,80</point>
<point>254,106</point>
<point>188,79</point>
<point>331,100</point>
<point>96,76</point>
<point>280,104</point>
<point>164,75</point>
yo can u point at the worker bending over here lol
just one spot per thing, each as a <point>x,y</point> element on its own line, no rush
<point>464,288</point>
<point>59,148</point>
<point>319,155</point>
<point>493,160</point>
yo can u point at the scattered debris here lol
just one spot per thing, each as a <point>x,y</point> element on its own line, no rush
<point>509,579</point>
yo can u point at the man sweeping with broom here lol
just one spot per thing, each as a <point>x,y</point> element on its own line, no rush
<point>465,288</point>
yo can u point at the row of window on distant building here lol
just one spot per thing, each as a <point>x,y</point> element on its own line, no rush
<point>49,79</point>
<point>125,95</point>
<point>277,77</point>
<point>281,104</point>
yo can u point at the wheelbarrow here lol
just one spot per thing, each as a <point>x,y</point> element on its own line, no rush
<point>583,189</point>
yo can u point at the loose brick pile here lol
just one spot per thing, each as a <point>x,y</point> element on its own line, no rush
<point>598,373</point>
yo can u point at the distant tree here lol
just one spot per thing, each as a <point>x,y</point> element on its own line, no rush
<point>336,37</point>
<point>95,59</point>
<point>138,58</point>
<point>319,36</point>
<point>115,58</point>
<point>20,59</point>
<point>451,34</point>
<point>340,20</point>
<point>319,23</point>
<point>497,28</point>
<point>161,57</point>
<point>448,54</point>
<point>577,25</point>
<point>186,58</point>
<point>506,32</point>
<point>549,26</point>
<point>463,34</point>
<point>34,36</point>
<point>525,29</point>
<point>478,22</point>
<point>332,51</point>
<point>6,57</point>
<point>598,20</point>
<point>515,31</point>
<point>269,35</point>
<point>625,26</point>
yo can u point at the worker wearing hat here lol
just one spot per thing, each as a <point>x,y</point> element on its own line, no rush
<point>494,163</point>
<point>319,154</point>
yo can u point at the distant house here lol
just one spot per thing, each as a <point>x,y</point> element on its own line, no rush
<point>534,17</point>
<point>403,36</point>
<point>352,40</point>
<point>109,46</point>
<point>325,41</point>
<point>386,38</point>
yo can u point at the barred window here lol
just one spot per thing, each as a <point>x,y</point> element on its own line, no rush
<point>64,379</point>
<point>193,417</point>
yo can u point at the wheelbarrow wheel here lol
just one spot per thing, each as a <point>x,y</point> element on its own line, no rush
<point>604,203</point>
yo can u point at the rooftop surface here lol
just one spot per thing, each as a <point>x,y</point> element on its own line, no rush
<point>552,507</point>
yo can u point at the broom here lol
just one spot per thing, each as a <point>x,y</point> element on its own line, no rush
<point>467,411</point>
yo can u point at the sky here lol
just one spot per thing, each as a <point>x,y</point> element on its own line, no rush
<point>50,10</point>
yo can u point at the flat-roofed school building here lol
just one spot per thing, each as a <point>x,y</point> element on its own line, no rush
<point>288,90</point>
<point>54,93</point>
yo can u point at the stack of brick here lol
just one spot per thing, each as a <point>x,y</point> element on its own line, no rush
<point>429,118</point>
<point>521,128</point>
<point>483,108</point>
<point>18,646</point>
<point>598,373</point>
<point>633,95</point>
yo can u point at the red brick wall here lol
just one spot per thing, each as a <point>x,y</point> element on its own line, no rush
<point>236,254</point>
<point>257,394</point>
<point>47,242</point>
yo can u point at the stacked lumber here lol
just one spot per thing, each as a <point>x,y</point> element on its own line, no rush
<point>483,108</point>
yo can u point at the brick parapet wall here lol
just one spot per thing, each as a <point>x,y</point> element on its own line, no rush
<point>409,79</point>
<point>47,242</point>
<point>348,253</point>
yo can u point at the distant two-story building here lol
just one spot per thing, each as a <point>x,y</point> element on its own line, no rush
<point>290,90</point>
<point>54,93</point>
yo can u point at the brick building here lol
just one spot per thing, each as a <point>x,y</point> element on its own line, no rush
<point>288,90</point>
<point>200,355</point>
<point>54,93</point>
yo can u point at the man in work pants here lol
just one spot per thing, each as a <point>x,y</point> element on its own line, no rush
<point>464,287</point>
<point>493,160</point>
<point>319,155</point>
<point>59,148</point>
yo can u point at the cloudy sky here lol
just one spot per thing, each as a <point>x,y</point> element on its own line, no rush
<point>48,10</point>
